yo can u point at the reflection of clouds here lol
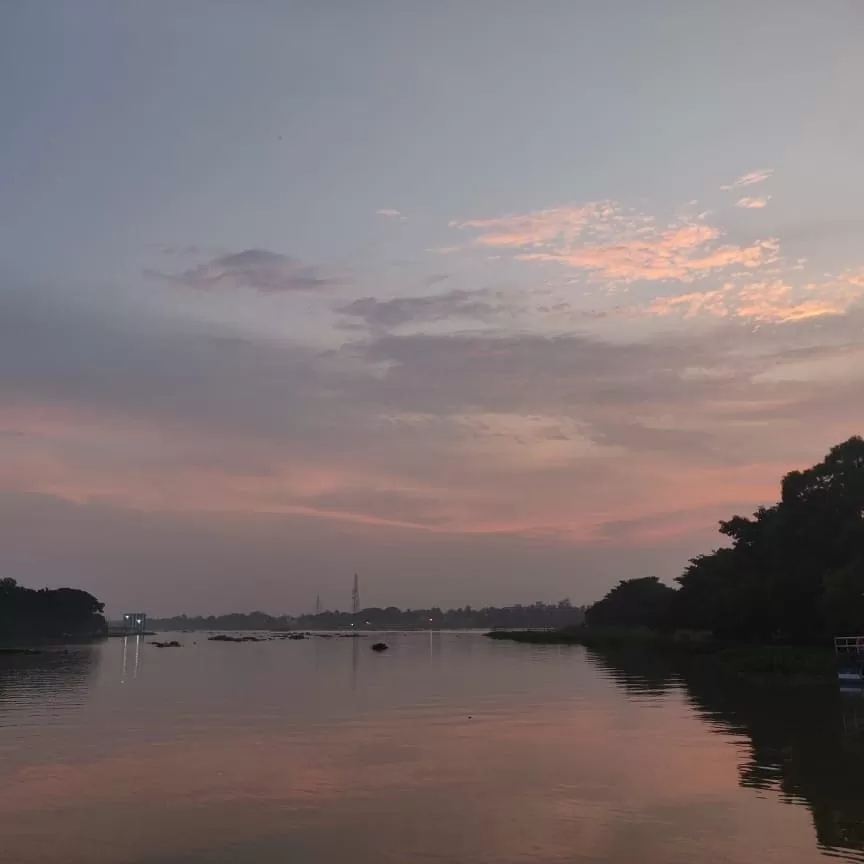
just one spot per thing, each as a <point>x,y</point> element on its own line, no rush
<point>544,783</point>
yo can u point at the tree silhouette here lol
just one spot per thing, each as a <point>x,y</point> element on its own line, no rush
<point>644,602</point>
<point>794,572</point>
<point>63,612</point>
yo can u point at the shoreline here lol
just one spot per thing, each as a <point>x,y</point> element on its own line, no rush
<point>778,663</point>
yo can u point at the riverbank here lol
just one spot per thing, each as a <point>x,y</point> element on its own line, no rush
<point>786,663</point>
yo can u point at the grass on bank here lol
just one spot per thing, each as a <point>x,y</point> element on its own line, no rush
<point>804,664</point>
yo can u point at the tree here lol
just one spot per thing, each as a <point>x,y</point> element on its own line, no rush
<point>644,602</point>
<point>48,613</point>
<point>842,603</point>
<point>793,569</point>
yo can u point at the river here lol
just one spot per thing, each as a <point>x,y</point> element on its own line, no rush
<point>447,748</point>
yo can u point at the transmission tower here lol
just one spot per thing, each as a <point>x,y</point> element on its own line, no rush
<point>317,604</point>
<point>355,596</point>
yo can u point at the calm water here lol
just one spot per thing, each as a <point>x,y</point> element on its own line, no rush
<point>449,747</point>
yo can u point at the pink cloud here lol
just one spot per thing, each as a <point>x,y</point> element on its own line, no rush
<point>749,179</point>
<point>537,228</point>
<point>141,473</point>
<point>771,301</point>
<point>753,203</point>
<point>616,244</point>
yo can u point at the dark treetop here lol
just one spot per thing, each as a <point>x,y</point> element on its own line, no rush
<point>794,571</point>
<point>46,613</point>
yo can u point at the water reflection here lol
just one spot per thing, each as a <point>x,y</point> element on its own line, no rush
<point>463,749</point>
<point>35,682</point>
<point>805,743</point>
<point>130,646</point>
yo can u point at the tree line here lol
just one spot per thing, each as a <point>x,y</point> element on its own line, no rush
<point>793,572</point>
<point>553,615</point>
<point>48,613</point>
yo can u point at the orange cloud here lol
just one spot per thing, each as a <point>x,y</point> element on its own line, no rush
<point>537,228</point>
<point>765,301</point>
<point>616,244</point>
<point>753,203</point>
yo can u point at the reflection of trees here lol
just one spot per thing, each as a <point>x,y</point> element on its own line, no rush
<point>806,743</point>
<point>51,676</point>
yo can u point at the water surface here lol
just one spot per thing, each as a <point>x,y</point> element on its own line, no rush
<point>449,747</point>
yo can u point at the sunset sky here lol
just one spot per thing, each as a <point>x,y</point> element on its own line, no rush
<point>487,301</point>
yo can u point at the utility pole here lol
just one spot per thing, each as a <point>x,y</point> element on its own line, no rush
<point>355,596</point>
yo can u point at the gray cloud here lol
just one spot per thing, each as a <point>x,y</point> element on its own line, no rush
<point>287,394</point>
<point>527,371</point>
<point>433,307</point>
<point>166,371</point>
<point>154,368</point>
<point>703,397</point>
<point>255,269</point>
<point>430,431</point>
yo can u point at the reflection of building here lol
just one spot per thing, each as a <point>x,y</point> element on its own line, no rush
<point>850,657</point>
<point>134,622</point>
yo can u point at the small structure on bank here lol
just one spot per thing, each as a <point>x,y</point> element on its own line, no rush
<point>134,623</point>
<point>850,656</point>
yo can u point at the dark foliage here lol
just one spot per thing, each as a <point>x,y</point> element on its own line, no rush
<point>48,614</point>
<point>644,602</point>
<point>794,572</point>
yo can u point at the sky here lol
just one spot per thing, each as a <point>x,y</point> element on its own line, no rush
<point>486,301</point>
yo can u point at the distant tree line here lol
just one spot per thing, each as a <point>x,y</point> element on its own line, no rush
<point>562,614</point>
<point>48,613</point>
<point>794,572</point>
